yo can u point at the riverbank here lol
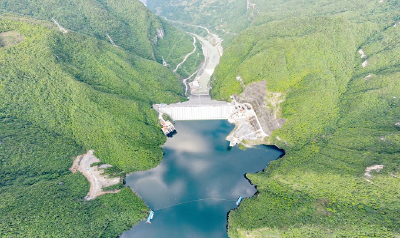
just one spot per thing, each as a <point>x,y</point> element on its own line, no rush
<point>212,50</point>
<point>201,84</point>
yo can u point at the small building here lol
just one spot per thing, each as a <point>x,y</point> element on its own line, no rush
<point>167,127</point>
<point>151,214</point>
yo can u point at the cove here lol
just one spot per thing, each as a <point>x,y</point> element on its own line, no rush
<point>198,181</point>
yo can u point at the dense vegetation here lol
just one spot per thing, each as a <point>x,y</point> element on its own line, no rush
<point>224,17</point>
<point>61,95</point>
<point>128,22</point>
<point>341,117</point>
<point>86,89</point>
<point>40,197</point>
<point>339,121</point>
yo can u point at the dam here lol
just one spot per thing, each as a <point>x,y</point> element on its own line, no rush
<point>199,107</point>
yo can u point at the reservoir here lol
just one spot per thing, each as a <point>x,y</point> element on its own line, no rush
<point>198,181</point>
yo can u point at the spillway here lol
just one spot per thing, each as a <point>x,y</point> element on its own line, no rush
<point>197,108</point>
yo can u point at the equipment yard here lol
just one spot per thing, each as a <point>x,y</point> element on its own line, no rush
<point>247,125</point>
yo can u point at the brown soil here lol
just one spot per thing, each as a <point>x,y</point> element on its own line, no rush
<point>93,174</point>
<point>10,38</point>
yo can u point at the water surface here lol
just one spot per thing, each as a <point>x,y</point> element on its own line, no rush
<point>197,182</point>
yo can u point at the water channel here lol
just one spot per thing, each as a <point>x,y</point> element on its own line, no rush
<point>198,181</point>
<point>211,61</point>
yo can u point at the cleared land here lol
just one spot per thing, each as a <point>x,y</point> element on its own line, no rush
<point>94,175</point>
<point>10,38</point>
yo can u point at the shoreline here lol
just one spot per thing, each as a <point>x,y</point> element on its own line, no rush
<point>188,92</point>
<point>95,177</point>
<point>262,152</point>
<point>250,182</point>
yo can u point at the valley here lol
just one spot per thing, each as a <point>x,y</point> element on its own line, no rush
<point>339,110</point>
<point>321,78</point>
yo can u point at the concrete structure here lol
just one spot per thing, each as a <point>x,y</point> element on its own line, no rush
<point>247,125</point>
<point>151,214</point>
<point>167,127</point>
<point>239,201</point>
<point>197,108</point>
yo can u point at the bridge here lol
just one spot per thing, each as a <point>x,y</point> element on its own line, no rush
<point>199,107</point>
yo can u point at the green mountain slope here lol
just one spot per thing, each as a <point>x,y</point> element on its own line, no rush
<point>40,197</point>
<point>228,18</point>
<point>129,23</point>
<point>61,95</point>
<point>224,17</point>
<point>341,119</point>
<point>88,90</point>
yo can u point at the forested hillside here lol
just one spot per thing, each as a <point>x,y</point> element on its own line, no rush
<point>224,17</point>
<point>61,95</point>
<point>128,22</point>
<point>342,111</point>
<point>341,107</point>
<point>228,18</point>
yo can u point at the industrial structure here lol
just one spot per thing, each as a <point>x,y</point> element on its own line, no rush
<point>167,126</point>
<point>197,108</point>
<point>151,214</point>
<point>239,201</point>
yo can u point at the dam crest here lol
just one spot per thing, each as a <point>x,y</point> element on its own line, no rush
<point>199,107</point>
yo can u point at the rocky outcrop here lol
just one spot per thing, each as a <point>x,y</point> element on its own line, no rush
<point>159,35</point>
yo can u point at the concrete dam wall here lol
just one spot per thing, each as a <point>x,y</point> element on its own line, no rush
<point>197,108</point>
<point>198,113</point>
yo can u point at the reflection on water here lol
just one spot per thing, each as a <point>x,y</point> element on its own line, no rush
<point>197,182</point>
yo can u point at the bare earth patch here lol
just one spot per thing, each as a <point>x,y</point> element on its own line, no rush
<point>364,64</point>
<point>368,77</point>
<point>368,171</point>
<point>10,38</point>
<point>362,53</point>
<point>320,207</point>
<point>94,175</point>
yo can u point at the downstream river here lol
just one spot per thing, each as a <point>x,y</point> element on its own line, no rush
<point>198,181</point>
<point>211,61</point>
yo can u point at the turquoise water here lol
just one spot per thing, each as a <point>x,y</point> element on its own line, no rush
<point>198,181</point>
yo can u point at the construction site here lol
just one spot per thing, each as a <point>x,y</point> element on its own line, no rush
<point>247,126</point>
<point>256,114</point>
